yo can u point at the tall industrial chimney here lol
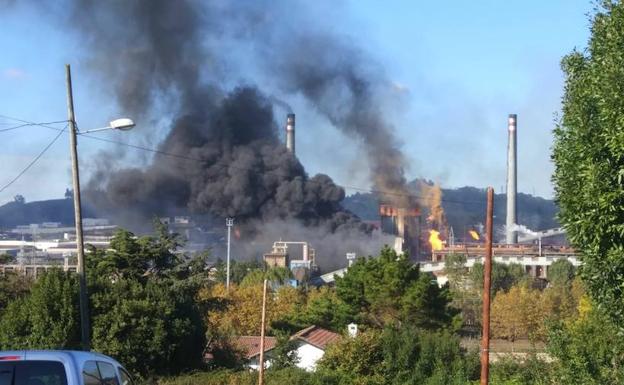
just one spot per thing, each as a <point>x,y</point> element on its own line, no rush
<point>290,133</point>
<point>512,180</point>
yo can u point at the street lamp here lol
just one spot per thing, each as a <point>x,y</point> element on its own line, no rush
<point>118,124</point>
<point>123,124</point>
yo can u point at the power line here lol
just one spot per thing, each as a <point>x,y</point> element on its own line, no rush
<point>185,157</point>
<point>32,163</point>
<point>30,125</point>
<point>194,159</point>
<point>28,122</point>
<point>25,123</point>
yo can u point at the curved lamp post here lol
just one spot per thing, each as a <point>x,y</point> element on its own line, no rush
<point>118,124</point>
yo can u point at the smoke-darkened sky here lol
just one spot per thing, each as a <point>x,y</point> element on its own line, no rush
<point>456,72</point>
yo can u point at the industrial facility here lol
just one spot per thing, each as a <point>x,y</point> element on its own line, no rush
<point>418,227</point>
<point>535,250</point>
<point>405,224</point>
<point>297,256</point>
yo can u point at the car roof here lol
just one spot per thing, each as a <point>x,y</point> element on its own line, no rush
<point>79,357</point>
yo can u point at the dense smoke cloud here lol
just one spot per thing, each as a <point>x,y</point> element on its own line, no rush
<point>339,82</point>
<point>169,57</point>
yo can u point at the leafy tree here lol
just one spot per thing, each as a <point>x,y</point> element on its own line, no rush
<point>19,199</point>
<point>69,193</point>
<point>516,314</point>
<point>45,319</point>
<point>6,258</point>
<point>356,357</point>
<point>238,270</point>
<point>284,354</point>
<point>561,272</point>
<point>401,355</point>
<point>511,371</point>
<point>276,276</point>
<point>238,312</point>
<point>323,308</point>
<point>588,351</point>
<point>143,302</point>
<point>503,276</point>
<point>421,357</point>
<point>561,302</point>
<point>391,289</point>
<point>588,154</point>
<point>12,287</point>
<point>152,327</point>
<point>137,257</point>
<point>320,307</point>
<point>143,308</point>
<point>456,271</point>
<point>466,294</point>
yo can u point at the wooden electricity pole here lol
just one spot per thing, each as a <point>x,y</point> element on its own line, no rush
<point>262,327</point>
<point>84,303</point>
<point>487,275</point>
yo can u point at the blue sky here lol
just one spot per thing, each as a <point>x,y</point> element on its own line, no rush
<point>462,67</point>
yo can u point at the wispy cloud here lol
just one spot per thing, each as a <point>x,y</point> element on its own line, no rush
<point>13,73</point>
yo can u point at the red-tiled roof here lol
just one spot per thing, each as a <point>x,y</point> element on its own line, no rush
<point>317,336</point>
<point>250,345</point>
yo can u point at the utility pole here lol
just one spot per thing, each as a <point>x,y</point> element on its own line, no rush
<point>229,222</point>
<point>84,304</point>
<point>487,275</point>
<point>262,323</point>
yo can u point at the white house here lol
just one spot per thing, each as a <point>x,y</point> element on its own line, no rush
<point>250,346</point>
<point>311,345</point>
<point>310,342</point>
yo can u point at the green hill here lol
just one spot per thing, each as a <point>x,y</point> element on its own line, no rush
<point>55,210</point>
<point>465,208</point>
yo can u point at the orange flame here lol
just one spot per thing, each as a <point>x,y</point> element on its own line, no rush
<point>434,239</point>
<point>237,233</point>
<point>474,235</point>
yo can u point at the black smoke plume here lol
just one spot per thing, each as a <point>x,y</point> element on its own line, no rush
<point>172,57</point>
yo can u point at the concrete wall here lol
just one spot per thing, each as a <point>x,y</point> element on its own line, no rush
<point>308,356</point>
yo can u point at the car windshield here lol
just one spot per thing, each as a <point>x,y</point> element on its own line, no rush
<point>32,373</point>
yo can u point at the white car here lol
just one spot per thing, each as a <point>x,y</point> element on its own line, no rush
<point>60,367</point>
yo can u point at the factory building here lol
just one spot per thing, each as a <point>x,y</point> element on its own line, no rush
<point>286,254</point>
<point>405,224</point>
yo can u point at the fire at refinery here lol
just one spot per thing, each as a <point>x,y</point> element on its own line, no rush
<point>435,241</point>
<point>227,156</point>
<point>414,235</point>
<point>474,235</point>
<point>224,137</point>
<point>404,224</point>
<point>436,221</point>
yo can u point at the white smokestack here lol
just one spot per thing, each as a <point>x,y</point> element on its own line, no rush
<point>512,181</point>
<point>290,133</point>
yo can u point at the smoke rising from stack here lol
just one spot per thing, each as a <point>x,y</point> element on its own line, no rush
<point>167,58</point>
<point>342,85</point>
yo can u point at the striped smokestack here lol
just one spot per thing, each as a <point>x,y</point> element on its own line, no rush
<point>512,180</point>
<point>290,133</point>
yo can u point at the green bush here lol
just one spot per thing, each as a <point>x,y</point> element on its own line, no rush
<point>403,355</point>
<point>513,371</point>
<point>46,318</point>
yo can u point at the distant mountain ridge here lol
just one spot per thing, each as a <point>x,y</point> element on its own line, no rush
<point>464,208</point>
<point>54,210</point>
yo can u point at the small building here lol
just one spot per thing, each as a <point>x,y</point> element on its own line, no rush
<point>250,347</point>
<point>310,342</point>
<point>311,345</point>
